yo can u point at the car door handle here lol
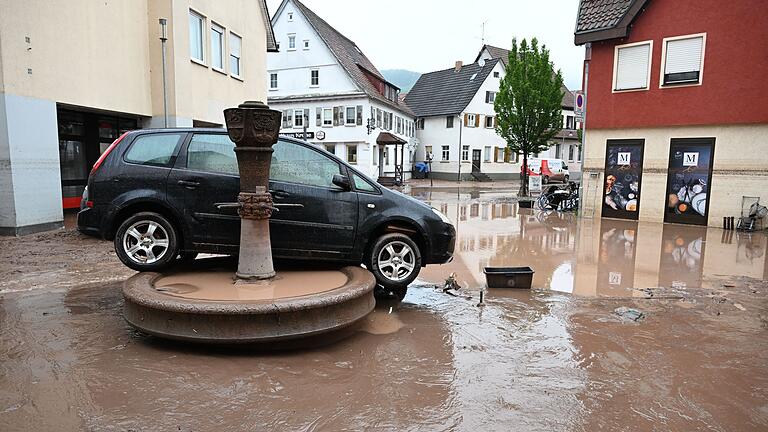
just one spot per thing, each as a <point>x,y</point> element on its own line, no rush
<point>279,193</point>
<point>188,184</point>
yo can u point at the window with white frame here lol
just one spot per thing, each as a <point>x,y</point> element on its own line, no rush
<point>298,118</point>
<point>290,16</point>
<point>490,97</point>
<point>495,74</point>
<point>471,119</point>
<point>465,153</point>
<point>682,60</point>
<point>291,41</point>
<point>570,122</point>
<point>352,153</point>
<point>489,121</point>
<point>327,117</point>
<point>570,153</point>
<point>314,78</point>
<point>487,154</point>
<point>446,153</point>
<point>196,30</point>
<point>631,70</point>
<point>306,44</point>
<point>499,154</point>
<point>235,48</point>
<point>217,46</point>
<point>350,117</point>
<point>428,152</point>
<point>449,122</point>
<point>273,81</point>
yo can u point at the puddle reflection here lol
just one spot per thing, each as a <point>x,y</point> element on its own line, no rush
<point>591,257</point>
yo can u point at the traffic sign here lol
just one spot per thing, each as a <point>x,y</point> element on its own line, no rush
<point>580,105</point>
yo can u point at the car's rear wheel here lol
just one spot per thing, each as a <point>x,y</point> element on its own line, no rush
<point>147,241</point>
<point>395,261</point>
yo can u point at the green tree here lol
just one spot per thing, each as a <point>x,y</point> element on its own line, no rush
<point>529,103</point>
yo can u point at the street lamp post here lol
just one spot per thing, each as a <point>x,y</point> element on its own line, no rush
<point>163,41</point>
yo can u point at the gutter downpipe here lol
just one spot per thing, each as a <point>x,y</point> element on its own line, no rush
<point>461,127</point>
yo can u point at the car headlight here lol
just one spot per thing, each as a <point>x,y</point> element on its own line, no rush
<point>442,217</point>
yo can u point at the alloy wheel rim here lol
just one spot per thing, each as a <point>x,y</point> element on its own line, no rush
<point>396,261</point>
<point>145,242</point>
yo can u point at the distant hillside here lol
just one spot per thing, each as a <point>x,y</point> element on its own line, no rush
<point>402,78</point>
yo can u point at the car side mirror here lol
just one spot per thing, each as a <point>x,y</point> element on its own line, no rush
<point>342,181</point>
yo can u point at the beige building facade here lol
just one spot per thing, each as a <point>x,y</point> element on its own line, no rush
<point>75,74</point>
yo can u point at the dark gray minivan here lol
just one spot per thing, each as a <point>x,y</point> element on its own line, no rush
<point>155,193</point>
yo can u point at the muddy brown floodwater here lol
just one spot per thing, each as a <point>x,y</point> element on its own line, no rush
<point>554,358</point>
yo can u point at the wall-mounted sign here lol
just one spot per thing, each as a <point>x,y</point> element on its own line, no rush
<point>688,180</point>
<point>534,183</point>
<point>580,106</point>
<point>320,135</point>
<point>623,177</point>
<point>300,135</point>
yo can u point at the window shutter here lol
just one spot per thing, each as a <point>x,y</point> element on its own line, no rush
<point>306,117</point>
<point>683,55</point>
<point>466,119</point>
<point>496,154</point>
<point>319,116</point>
<point>507,154</point>
<point>341,116</point>
<point>477,120</point>
<point>285,119</point>
<point>335,116</point>
<point>359,115</point>
<point>290,118</point>
<point>632,67</point>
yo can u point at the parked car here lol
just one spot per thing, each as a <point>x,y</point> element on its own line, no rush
<point>155,193</point>
<point>549,169</point>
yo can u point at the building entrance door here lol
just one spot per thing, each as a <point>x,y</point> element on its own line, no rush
<point>476,156</point>
<point>689,180</point>
<point>83,137</point>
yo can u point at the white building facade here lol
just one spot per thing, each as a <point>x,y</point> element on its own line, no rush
<point>456,123</point>
<point>333,96</point>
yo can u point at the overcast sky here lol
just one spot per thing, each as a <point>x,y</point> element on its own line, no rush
<point>429,35</point>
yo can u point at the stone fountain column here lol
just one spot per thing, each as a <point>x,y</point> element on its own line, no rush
<point>254,128</point>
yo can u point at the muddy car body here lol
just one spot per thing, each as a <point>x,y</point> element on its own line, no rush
<point>158,194</point>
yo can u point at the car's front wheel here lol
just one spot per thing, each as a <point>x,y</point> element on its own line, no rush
<point>395,261</point>
<point>147,241</point>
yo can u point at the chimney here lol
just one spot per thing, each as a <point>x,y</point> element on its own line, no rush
<point>458,66</point>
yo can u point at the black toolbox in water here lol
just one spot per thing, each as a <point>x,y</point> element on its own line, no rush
<point>508,277</point>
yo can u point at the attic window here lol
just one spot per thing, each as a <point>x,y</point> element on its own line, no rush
<point>474,75</point>
<point>290,16</point>
<point>496,74</point>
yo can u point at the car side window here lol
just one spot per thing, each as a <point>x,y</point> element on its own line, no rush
<point>214,153</point>
<point>294,163</point>
<point>153,149</point>
<point>361,184</point>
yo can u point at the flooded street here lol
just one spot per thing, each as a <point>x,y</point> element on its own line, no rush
<point>554,358</point>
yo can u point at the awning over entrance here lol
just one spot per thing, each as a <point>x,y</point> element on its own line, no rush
<point>386,138</point>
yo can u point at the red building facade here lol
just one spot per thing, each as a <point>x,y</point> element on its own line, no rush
<point>677,87</point>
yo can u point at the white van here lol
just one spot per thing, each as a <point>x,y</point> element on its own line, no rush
<point>550,169</point>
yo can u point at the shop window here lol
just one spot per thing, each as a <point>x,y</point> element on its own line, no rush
<point>352,154</point>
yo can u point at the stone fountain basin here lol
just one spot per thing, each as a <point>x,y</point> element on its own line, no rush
<point>209,307</point>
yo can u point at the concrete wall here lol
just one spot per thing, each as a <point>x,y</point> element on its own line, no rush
<point>739,169</point>
<point>30,183</point>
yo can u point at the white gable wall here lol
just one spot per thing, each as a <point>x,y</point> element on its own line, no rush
<point>293,66</point>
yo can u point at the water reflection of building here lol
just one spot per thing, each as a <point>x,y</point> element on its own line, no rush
<point>641,255</point>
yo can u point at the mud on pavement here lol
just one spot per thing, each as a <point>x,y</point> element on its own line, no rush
<point>556,357</point>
